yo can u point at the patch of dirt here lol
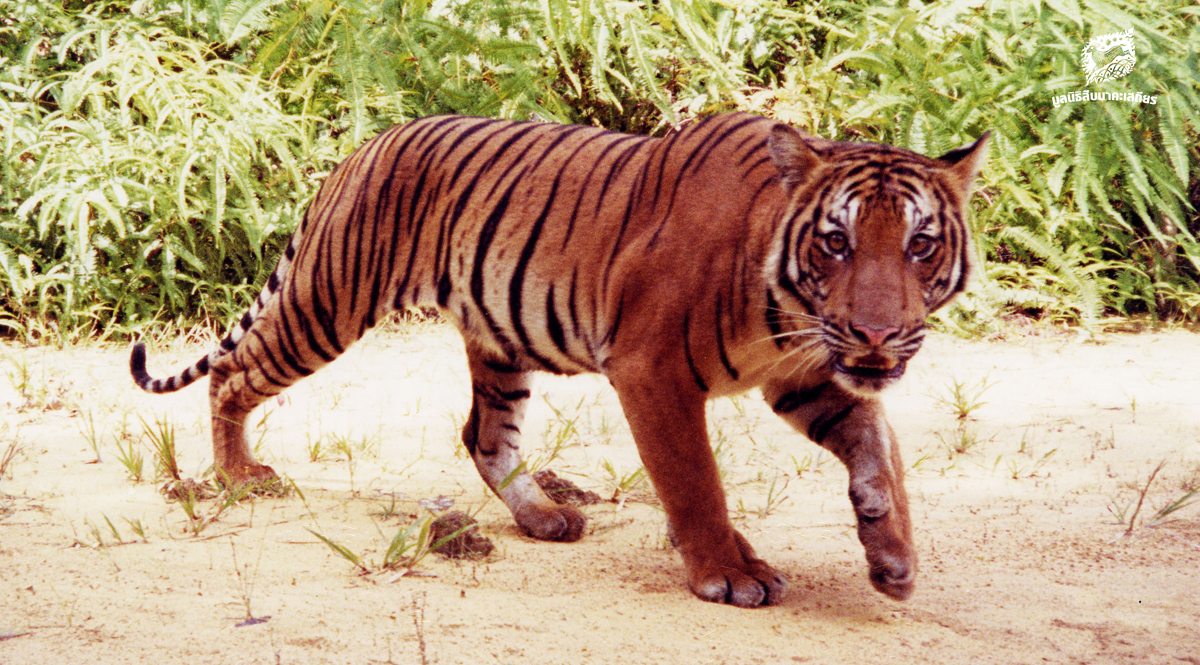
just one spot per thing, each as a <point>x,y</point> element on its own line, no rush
<point>457,536</point>
<point>564,491</point>
<point>1021,514</point>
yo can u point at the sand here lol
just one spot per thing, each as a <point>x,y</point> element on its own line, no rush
<point>1022,516</point>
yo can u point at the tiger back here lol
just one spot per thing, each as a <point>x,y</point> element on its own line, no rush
<point>736,253</point>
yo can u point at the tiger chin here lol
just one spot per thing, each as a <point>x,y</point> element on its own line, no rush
<point>735,253</point>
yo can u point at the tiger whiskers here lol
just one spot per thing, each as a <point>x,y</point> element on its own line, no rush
<point>813,352</point>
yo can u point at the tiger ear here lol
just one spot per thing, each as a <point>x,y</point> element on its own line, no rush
<point>965,163</point>
<point>793,156</point>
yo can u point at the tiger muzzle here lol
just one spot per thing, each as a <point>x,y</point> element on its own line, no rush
<point>876,358</point>
<point>871,370</point>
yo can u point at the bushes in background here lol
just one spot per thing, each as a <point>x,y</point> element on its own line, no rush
<point>156,155</point>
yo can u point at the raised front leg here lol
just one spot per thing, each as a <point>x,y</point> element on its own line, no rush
<point>856,431</point>
<point>667,420</point>
<point>493,437</point>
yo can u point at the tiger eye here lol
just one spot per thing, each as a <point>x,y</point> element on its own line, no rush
<point>921,246</point>
<point>836,242</point>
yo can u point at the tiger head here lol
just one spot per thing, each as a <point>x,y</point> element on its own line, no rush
<point>873,240</point>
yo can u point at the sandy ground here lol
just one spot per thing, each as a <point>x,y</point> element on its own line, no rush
<point>1023,556</point>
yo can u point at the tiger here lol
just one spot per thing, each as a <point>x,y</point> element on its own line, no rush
<point>731,254</point>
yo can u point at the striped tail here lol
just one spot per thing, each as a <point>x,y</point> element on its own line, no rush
<point>199,369</point>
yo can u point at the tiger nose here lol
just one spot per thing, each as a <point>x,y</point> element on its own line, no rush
<point>874,336</point>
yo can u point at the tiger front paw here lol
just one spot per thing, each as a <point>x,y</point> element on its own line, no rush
<point>551,522</point>
<point>885,531</point>
<point>736,576</point>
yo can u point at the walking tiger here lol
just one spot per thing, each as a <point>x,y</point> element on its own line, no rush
<point>735,253</point>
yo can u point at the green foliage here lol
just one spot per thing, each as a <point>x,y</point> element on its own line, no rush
<point>156,154</point>
<point>142,177</point>
<point>625,65</point>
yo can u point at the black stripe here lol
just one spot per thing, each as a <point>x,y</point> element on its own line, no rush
<point>324,320</point>
<point>821,427</point>
<point>729,368</point>
<point>584,188</point>
<point>324,312</point>
<point>795,399</point>
<point>258,365</point>
<point>443,289</point>
<point>687,352</point>
<point>501,367</point>
<point>487,234</point>
<point>270,357</point>
<point>772,315</point>
<point>470,433</point>
<point>517,282</point>
<point>572,303</point>
<point>513,395</point>
<point>553,325</point>
<point>414,240</point>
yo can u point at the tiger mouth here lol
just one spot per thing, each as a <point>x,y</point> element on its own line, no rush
<point>870,373</point>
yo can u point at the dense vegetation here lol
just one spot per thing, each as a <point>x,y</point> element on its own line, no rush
<point>157,154</point>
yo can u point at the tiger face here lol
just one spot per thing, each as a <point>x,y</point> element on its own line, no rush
<point>873,241</point>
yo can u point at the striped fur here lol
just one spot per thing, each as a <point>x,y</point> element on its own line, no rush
<point>732,254</point>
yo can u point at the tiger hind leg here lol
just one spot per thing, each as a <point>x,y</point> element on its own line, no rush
<point>232,396</point>
<point>260,368</point>
<point>492,436</point>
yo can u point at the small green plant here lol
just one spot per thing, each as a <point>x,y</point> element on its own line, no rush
<point>409,545</point>
<point>36,392</point>
<point>1024,447</point>
<point>162,446</point>
<point>1174,505</point>
<point>346,553</point>
<point>406,549</point>
<point>1126,511</point>
<point>962,398</point>
<point>138,529</point>
<point>561,433</point>
<point>624,484</point>
<point>315,447</point>
<point>7,458</point>
<point>131,458</point>
<point>809,463</point>
<point>388,510</point>
<point>775,497</point>
<point>919,463</point>
<point>721,450</point>
<point>1018,471</point>
<point>961,440</point>
<point>354,447</point>
<point>260,428</point>
<point>246,587</point>
<point>190,494</point>
<point>87,427</point>
<point>98,533</point>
